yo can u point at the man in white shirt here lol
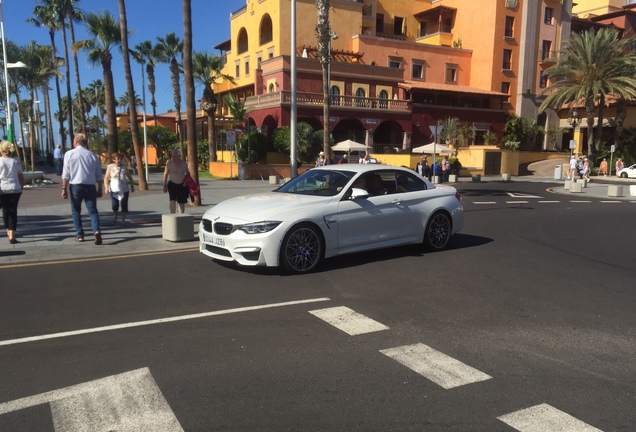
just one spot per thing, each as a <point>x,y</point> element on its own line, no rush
<point>58,158</point>
<point>83,172</point>
<point>573,169</point>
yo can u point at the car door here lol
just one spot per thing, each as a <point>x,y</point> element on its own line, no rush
<point>375,220</point>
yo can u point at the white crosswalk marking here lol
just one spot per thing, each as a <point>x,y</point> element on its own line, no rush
<point>517,202</point>
<point>348,320</point>
<point>542,418</point>
<point>549,202</point>
<point>130,401</point>
<point>484,202</point>
<point>436,366</point>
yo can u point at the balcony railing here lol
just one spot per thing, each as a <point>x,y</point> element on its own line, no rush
<point>270,100</point>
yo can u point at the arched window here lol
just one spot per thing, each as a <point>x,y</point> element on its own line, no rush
<point>271,88</point>
<point>335,96</point>
<point>242,41</point>
<point>384,96</point>
<point>360,95</point>
<point>266,33</point>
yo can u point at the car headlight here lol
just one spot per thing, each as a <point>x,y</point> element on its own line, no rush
<point>259,227</point>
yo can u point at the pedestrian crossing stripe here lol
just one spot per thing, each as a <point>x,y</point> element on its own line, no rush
<point>443,370</point>
<point>541,418</point>
<point>348,320</point>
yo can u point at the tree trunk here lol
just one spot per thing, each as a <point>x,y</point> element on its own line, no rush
<point>150,71</point>
<point>59,96</point>
<point>193,162</point>
<point>323,31</point>
<point>68,86</point>
<point>111,115</point>
<point>80,96</point>
<point>589,114</point>
<point>601,113</point>
<point>132,109</point>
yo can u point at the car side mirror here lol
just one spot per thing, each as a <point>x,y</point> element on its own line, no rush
<point>357,193</point>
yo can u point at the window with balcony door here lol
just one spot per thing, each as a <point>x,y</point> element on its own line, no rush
<point>379,23</point>
<point>360,95</point>
<point>510,25</point>
<point>543,80</point>
<point>505,89</point>
<point>384,99</point>
<point>507,60</point>
<point>548,16</point>
<point>546,48</point>
<point>399,26</point>
<point>423,28</point>
<point>447,25</point>
<point>334,100</point>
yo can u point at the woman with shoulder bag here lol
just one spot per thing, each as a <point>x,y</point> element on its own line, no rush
<point>118,182</point>
<point>11,183</point>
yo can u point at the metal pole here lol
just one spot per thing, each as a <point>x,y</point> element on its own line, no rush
<point>294,106</point>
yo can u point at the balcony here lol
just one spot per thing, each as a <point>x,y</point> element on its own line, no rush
<point>307,100</point>
<point>437,39</point>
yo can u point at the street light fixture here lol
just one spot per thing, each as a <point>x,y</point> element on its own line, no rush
<point>574,118</point>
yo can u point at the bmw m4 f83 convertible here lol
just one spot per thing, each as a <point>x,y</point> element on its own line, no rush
<point>330,211</point>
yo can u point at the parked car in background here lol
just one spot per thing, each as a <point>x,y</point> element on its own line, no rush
<point>628,172</point>
<point>330,211</point>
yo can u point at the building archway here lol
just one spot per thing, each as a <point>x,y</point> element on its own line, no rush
<point>266,34</point>
<point>311,121</point>
<point>242,41</point>
<point>388,137</point>
<point>349,128</point>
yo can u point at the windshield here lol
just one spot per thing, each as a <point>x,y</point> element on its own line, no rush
<point>318,182</point>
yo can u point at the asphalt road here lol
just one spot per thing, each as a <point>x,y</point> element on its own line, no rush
<point>536,295</point>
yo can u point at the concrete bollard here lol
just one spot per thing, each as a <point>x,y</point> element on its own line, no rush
<point>274,180</point>
<point>615,191</point>
<point>177,227</point>
<point>506,177</point>
<point>476,177</point>
<point>568,184</point>
<point>452,178</point>
<point>576,187</point>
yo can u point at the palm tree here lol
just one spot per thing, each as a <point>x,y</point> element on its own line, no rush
<point>106,34</point>
<point>239,112</point>
<point>168,49</point>
<point>46,15</point>
<point>193,160</point>
<point>593,66</point>
<point>132,107</point>
<point>207,69</point>
<point>73,14</point>
<point>147,54</point>
<point>323,30</point>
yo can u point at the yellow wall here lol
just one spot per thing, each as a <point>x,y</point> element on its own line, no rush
<point>584,8</point>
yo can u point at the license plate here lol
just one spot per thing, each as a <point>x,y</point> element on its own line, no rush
<point>216,241</point>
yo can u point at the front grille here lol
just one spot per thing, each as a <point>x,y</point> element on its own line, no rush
<point>251,256</point>
<point>217,250</point>
<point>207,225</point>
<point>221,228</point>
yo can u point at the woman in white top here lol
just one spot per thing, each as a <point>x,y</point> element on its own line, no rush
<point>118,182</point>
<point>11,183</point>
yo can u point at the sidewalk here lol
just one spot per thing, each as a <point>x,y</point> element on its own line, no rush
<point>46,232</point>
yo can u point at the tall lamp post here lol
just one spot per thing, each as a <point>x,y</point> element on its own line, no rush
<point>574,118</point>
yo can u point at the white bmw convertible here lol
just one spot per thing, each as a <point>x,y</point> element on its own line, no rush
<point>330,211</point>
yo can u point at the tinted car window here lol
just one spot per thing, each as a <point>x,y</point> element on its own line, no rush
<point>318,182</point>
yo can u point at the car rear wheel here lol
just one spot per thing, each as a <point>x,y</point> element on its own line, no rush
<point>438,231</point>
<point>301,249</point>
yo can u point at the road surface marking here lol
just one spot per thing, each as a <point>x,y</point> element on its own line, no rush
<point>610,202</point>
<point>484,202</point>
<point>542,418</point>
<point>349,321</point>
<point>436,366</point>
<point>549,202</point>
<point>158,321</point>
<point>130,401</point>
<point>520,195</point>
<point>517,202</point>
<point>574,201</point>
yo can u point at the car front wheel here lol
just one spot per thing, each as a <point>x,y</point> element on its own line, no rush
<point>438,231</point>
<point>623,175</point>
<point>301,249</point>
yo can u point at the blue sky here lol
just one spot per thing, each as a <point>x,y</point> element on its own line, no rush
<point>148,19</point>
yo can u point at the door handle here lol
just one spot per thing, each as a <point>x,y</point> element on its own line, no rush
<point>396,202</point>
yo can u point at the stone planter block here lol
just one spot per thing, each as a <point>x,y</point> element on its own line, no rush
<point>177,227</point>
<point>615,190</point>
<point>274,180</point>
<point>583,183</point>
<point>476,177</point>
<point>436,179</point>
<point>568,184</point>
<point>506,177</point>
<point>452,178</point>
<point>576,187</point>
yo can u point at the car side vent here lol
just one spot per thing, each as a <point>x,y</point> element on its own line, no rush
<point>221,228</point>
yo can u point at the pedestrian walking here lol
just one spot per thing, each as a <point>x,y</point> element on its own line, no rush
<point>603,167</point>
<point>619,166</point>
<point>173,181</point>
<point>11,183</point>
<point>573,169</point>
<point>118,182</point>
<point>58,159</point>
<point>82,174</point>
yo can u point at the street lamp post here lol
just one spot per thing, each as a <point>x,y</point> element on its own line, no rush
<point>332,36</point>
<point>574,118</point>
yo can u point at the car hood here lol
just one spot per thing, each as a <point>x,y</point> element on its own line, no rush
<point>265,206</point>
